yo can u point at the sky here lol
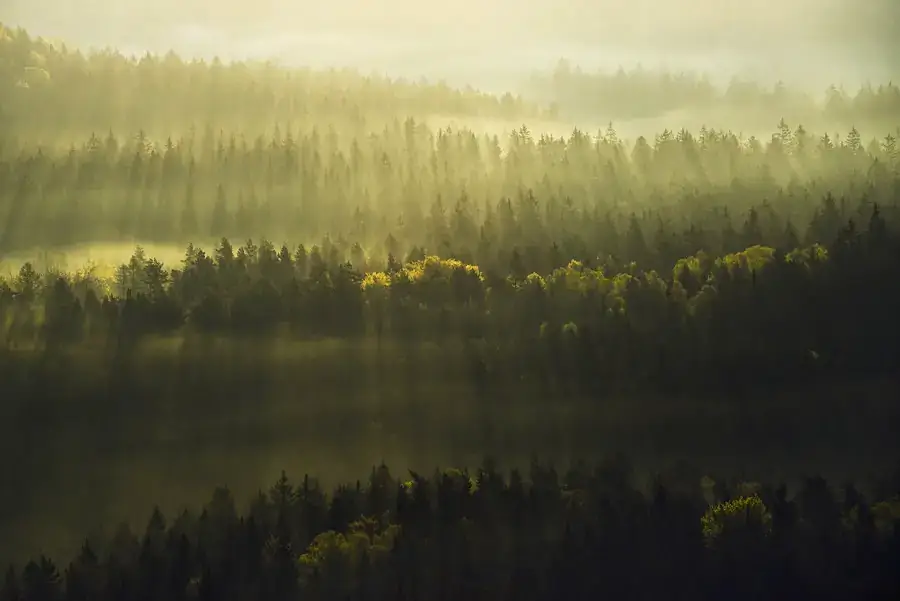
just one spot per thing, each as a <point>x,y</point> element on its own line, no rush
<point>805,41</point>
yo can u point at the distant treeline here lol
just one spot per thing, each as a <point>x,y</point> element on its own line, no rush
<point>644,93</point>
<point>51,93</point>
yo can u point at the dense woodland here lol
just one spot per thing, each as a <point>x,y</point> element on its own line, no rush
<point>576,534</point>
<point>355,276</point>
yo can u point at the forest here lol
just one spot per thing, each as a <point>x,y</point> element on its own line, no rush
<point>647,93</point>
<point>664,366</point>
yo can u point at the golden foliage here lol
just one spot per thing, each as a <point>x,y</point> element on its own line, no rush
<point>696,265</point>
<point>742,515</point>
<point>429,270</point>
<point>807,256</point>
<point>432,267</point>
<point>375,280</point>
<point>750,259</point>
<point>335,557</point>
<point>534,281</point>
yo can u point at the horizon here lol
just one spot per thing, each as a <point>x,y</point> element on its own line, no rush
<point>479,45</point>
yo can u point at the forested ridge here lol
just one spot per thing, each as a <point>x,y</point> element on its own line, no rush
<point>647,93</point>
<point>358,281</point>
<point>50,93</point>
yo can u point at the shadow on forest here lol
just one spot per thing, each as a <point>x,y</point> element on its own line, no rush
<point>112,447</point>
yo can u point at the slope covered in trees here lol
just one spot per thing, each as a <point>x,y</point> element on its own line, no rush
<point>641,93</point>
<point>355,283</point>
<point>442,189</point>
<point>51,93</point>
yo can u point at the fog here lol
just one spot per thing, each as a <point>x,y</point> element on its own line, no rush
<point>243,432</point>
<point>493,44</point>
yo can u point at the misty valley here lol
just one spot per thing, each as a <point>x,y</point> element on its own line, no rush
<point>283,332</point>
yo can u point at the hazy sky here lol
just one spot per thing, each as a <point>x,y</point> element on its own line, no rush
<point>833,40</point>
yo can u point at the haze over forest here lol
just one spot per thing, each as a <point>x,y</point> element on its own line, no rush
<point>643,253</point>
<point>494,44</point>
